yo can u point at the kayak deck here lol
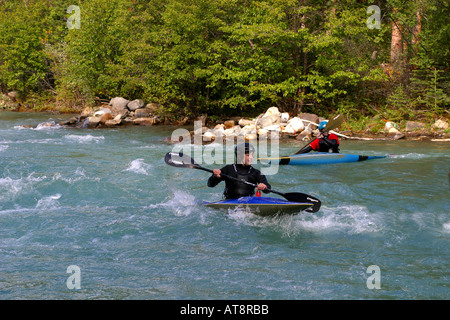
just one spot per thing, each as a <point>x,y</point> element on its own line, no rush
<point>264,206</point>
<point>319,158</point>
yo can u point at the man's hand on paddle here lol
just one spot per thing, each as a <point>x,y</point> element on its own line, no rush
<point>261,186</point>
<point>217,173</point>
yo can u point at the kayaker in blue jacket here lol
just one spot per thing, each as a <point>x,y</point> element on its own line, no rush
<point>325,142</point>
<point>242,170</point>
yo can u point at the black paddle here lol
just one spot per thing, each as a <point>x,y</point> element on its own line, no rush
<point>180,160</point>
<point>331,124</point>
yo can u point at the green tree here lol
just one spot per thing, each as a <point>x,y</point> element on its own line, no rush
<point>23,34</point>
<point>421,66</point>
<point>91,54</point>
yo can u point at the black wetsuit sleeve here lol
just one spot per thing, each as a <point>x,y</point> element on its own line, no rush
<point>306,150</point>
<point>214,181</point>
<point>262,179</point>
<point>328,144</point>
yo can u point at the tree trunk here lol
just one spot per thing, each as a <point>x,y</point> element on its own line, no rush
<point>396,44</point>
<point>304,56</point>
<point>417,29</point>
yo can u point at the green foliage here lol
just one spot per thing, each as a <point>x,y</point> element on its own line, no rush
<point>431,90</point>
<point>227,57</point>
<point>92,52</point>
<point>22,38</point>
<point>399,106</point>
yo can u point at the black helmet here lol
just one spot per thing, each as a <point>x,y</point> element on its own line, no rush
<point>243,148</point>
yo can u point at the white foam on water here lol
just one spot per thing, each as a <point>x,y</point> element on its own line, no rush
<point>16,210</point>
<point>446,227</point>
<point>139,166</point>
<point>242,215</point>
<point>408,156</point>
<point>420,219</point>
<point>80,172</point>
<point>48,125</point>
<point>84,138</point>
<point>284,224</point>
<point>350,219</point>
<point>152,146</point>
<point>180,202</point>
<point>79,175</point>
<point>3,147</point>
<point>41,141</point>
<point>9,187</point>
<point>414,156</point>
<point>345,219</point>
<point>49,202</point>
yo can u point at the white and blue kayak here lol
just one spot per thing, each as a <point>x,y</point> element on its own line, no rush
<point>263,206</point>
<point>319,158</point>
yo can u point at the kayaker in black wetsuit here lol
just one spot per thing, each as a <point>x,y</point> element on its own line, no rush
<point>242,170</point>
<point>325,142</point>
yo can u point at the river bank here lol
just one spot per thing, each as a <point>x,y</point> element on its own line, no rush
<point>303,127</point>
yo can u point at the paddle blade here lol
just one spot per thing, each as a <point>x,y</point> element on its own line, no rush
<point>180,160</point>
<point>335,122</point>
<point>301,197</point>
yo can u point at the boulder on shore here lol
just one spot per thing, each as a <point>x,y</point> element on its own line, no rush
<point>105,117</point>
<point>415,126</point>
<point>294,126</point>
<point>118,104</point>
<point>309,118</point>
<point>114,122</point>
<point>144,121</point>
<point>135,104</point>
<point>119,111</point>
<point>440,124</point>
<point>92,122</point>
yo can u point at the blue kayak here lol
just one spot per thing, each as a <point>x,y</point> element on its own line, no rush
<point>319,158</point>
<point>264,206</point>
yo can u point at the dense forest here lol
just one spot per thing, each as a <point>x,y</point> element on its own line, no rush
<point>386,58</point>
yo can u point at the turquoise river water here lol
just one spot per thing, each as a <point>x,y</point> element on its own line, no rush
<point>97,214</point>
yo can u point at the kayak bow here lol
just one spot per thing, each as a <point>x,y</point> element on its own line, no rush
<point>263,206</point>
